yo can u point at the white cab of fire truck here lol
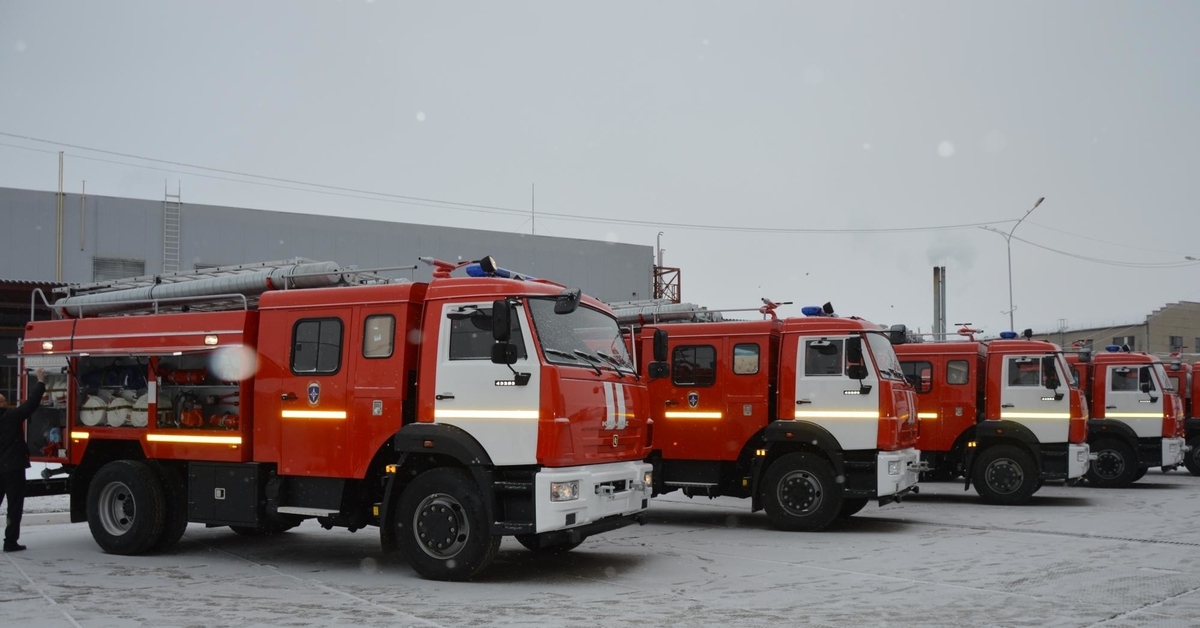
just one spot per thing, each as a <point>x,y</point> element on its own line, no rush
<point>842,375</point>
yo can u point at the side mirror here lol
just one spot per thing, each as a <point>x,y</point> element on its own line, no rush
<point>658,370</point>
<point>660,345</point>
<point>857,371</point>
<point>854,353</point>
<point>567,301</point>
<point>1051,373</point>
<point>501,323</point>
<point>1145,387</point>
<point>898,334</point>
<point>504,353</point>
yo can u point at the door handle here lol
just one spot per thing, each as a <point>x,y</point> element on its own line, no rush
<point>287,397</point>
<point>444,396</point>
<point>1110,407</point>
<point>671,402</point>
<point>800,402</point>
<point>1007,405</point>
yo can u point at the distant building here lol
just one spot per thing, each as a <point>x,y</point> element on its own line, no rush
<point>102,237</point>
<point>1174,327</point>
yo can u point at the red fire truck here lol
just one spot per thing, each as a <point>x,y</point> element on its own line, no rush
<point>448,413</point>
<point>1137,420</point>
<point>808,417</point>
<point>1180,373</point>
<point>1002,413</point>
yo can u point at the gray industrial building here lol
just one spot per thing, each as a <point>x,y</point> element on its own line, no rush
<point>46,242</point>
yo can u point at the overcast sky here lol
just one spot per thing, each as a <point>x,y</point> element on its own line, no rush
<point>786,115</point>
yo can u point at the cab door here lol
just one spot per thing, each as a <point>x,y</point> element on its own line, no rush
<point>1029,397</point>
<point>306,392</point>
<point>481,397</point>
<point>693,401</point>
<point>826,394</point>
<point>1124,400</point>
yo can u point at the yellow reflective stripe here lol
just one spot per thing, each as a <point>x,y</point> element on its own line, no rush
<point>79,435</point>
<point>927,415</point>
<point>1133,415</point>
<point>1035,415</point>
<point>314,414</point>
<point>693,415</point>
<point>837,414</point>
<point>484,414</point>
<point>187,438</point>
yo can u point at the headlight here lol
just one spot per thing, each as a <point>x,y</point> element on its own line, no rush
<point>564,491</point>
<point>648,479</point>
<point>893,467</point>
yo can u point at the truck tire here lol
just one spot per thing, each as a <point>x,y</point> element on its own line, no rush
<point>1193,457</point>
<point>1115,465</point>
<point>1005,475</point>
<point>851,506</point>
<point>800,493</point>
<point>1141,473</point>
<point>442,526</point>
<point>126,507</point>
<point>175,492</point>
<point>530,541</point>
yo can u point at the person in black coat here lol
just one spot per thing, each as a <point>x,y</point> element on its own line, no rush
<point>14,459</point>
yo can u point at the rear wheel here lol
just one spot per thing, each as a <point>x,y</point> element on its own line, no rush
<point>1115,465</point>
<point>176,516</point>
<point>1141,473</point>
<point>126,507</point>
<point>851,506</point>
<point>442,526</point>
<point>530,541</point>
<point>800,493</point>
<point>1193,457</point>
<point>1005,475</point>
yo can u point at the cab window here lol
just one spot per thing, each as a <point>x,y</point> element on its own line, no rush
<point>919,375</point>
<point>958,372</point>
<point>823,357</point>
<point>379,332</point>
<point>471,335</point>
<point>317,346</point>
<point>745,359</point>
<point>694,365</point>
<point>1024,371</point>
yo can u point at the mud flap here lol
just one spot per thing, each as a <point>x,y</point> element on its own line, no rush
<point>968,466</point>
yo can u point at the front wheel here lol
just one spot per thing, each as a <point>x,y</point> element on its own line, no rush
<point>1141,473</point>
<point>800,493</point>
<point>530,541</point>
<point>851,506</point>
<point>1005,475</point>
<point>126,507</point>
<point>1115,465</point>
<point>1192,460</point>
<point>442,526</point>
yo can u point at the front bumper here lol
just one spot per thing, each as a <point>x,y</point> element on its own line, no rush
<point>1079,458</point>
<point>1173,451</point>
<point>896,472</point>
<point>605,490</point>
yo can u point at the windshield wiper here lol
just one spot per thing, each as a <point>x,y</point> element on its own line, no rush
<point>559,353</point>
<point>591,359</point>
<point>617,364</point>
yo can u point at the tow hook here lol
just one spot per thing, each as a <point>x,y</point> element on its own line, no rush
<point>1093,457</point>
<point>923,466</point>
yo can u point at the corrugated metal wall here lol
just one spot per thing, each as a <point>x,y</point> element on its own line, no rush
<point>132,229</point>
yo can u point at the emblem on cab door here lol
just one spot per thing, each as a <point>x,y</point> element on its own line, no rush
<point>693,399</point>
<point>314,393</point>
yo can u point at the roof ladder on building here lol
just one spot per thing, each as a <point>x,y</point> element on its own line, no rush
<point>172,209</point>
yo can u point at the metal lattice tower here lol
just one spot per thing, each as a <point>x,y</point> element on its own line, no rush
<point>172,209</point>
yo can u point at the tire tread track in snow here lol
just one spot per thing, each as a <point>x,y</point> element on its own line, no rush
<point>1074,535</point>
<point>1143,607</point>
<point>322,586</point>
<point>41,592</point>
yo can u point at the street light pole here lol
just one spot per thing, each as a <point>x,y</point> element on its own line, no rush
<point>1008,242</point>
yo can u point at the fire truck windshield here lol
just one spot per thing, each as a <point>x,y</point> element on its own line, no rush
<point>1065,369</point>
<point>885,356</point>
<point>1168,384</point>
<point>581,338</point>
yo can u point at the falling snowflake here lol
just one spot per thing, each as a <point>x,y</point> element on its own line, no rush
<point>420,116</point>
<point>945,149</point>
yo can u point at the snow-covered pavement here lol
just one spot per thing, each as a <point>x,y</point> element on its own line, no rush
<point>1074,557</point>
